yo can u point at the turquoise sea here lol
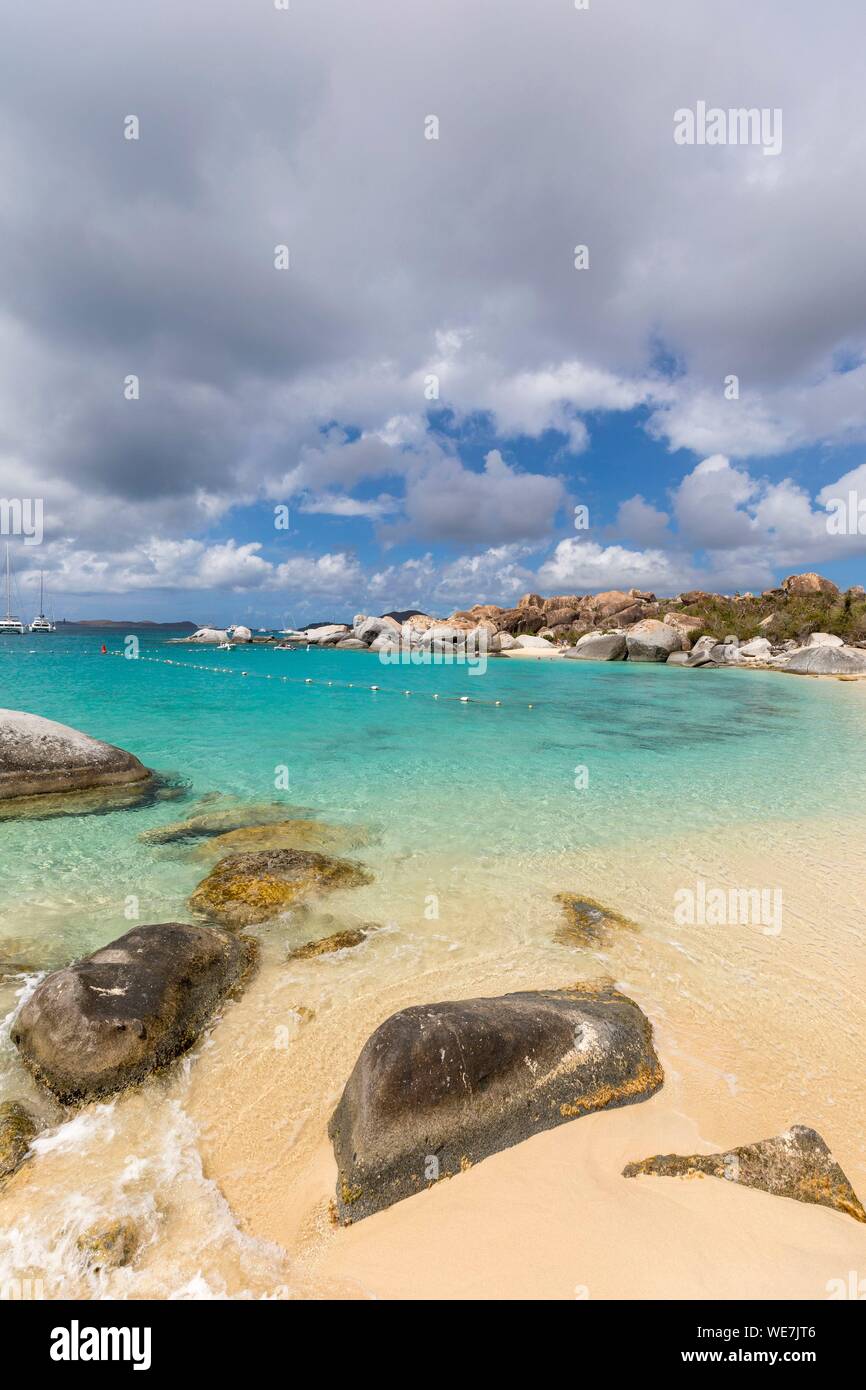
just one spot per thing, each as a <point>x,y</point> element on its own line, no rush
<point>576,754</point>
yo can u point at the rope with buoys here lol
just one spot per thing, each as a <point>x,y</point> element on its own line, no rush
<point>310,680</point>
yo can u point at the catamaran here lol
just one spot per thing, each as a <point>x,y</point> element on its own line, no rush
<point>10,626</point>
<point>42,624</point>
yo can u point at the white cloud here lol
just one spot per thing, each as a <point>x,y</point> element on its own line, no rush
<point>582,566</point>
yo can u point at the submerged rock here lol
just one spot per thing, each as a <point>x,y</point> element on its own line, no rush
<point>248,888</point>
<point>588,923</point>
<point>795,1164</point>
<point>438,1087</point>
<point>39,757</point>
<point>17,1128</point>
<point>286,834</point>
<point>220,819</point>
<point>111,1246</point>
<point>107,1021</point>
<point>339,941</point>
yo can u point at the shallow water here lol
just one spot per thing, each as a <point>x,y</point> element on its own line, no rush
<point>620,781</point>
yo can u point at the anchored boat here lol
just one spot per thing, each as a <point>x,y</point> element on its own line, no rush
<point>42,624</point>
<point>10,626</point>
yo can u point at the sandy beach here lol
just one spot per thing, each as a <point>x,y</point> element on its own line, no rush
<point>755,1032</point>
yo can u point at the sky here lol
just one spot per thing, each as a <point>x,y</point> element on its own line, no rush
<point>371,369</point>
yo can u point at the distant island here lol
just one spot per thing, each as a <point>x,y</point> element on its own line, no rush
<point>130,623</point>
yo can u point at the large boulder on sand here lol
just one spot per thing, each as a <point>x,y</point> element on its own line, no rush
<point>758,647</point>
<point>438,1087</point>
<point>651,640</point>
<point>39,757</point>
<point>108,1020</point>
<point>827,661</point>
<point>244,889</point>
<point>823,639</point>
<point>368,628</point>
<point>327,636</point>
<point>806,585</point>
<point>599,646</point>
<point>208,636</point>
<point>531,644</point>
<point>795,1164</point>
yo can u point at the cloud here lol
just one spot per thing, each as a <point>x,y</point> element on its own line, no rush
<point>582,566</point>
<point>410,256</point>
<point>449,502</point>
<point>637,520</point>
<point>337,504</point>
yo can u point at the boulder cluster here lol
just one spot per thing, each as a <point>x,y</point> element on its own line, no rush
<point>624,625</point>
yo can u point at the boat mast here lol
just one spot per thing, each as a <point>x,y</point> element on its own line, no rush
<point>8,585</point>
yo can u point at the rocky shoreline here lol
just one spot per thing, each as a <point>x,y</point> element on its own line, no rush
<point>806,627</point>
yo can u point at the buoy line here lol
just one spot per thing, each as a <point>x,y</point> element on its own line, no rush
<point>310,680</point>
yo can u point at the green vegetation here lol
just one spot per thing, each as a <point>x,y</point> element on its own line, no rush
<point>792,618</point>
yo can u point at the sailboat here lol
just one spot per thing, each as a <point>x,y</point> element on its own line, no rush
<point>10,626</point>
<point>42,624</point>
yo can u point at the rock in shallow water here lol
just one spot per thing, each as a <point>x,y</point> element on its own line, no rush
<point>795,1164</point>
<point>109,1247</point>
<point>17,1128</point>
<point>221,817</point>
<point>107,1021</point>
<point>39,757</point>
<point>248,888</point>
<point>438,1087</point>
<point>343,940</point>
<point>588,923</point>
<point>287,834</point>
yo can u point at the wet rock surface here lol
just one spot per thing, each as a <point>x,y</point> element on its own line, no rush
<point>343,940</point>
<point>109,1020</point>
<point>587,922</point>
<point>109,1247</point>
<point>796,1164</point>
<point>245,889</point>
<point>17,1128</point>
<point>39,757</point>
<point>219,816</point>
<point>439,1087</point>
